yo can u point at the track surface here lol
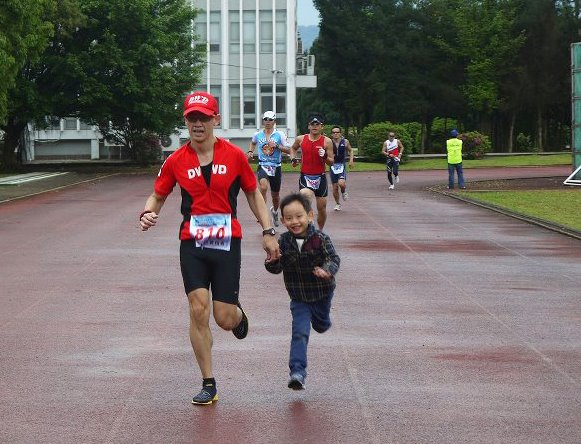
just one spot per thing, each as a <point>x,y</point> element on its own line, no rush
<point>451,324</point>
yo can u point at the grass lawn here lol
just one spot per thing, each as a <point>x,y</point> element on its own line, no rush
<point>441,164</point>
<point>562,207</point>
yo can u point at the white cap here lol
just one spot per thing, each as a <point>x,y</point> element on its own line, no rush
<point>269,115</point>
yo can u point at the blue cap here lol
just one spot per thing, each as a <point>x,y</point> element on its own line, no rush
<point>454,133</point>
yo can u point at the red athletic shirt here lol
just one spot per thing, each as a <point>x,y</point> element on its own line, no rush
<point>311,161</point>
<point>230,173</point>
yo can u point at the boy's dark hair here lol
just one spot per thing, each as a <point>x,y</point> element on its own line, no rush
<point>296,197</point>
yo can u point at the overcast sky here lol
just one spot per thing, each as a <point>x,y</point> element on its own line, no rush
<point>306,13</point>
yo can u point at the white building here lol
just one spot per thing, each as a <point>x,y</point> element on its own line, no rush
<point>254,63</point>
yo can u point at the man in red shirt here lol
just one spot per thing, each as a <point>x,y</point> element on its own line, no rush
<point>210,172</point>
<point>317,151</point>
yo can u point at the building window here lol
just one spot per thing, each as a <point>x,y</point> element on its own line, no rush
<point>267,102</point>
<point>249,31</point>
<point>70,123</point>
<point>266,37</point>
<point>215,31</point>
<point>250,106</point>
<point>281,31</point>
<point>234,30</point>
<point>234,106</point>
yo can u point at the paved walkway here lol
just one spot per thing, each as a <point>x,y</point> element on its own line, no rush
<point>451,324</point>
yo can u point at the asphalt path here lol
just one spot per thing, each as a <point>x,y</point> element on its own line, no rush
<point>452,324</point>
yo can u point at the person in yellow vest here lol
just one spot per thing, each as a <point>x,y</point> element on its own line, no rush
<point>454,150</point>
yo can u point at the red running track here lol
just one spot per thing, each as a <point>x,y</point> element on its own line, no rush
<point>451,324</point>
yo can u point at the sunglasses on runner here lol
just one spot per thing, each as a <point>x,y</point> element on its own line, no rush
<point>194,117</point>
<point>267,119</point>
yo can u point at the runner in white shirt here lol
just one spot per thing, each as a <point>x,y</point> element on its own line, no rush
<point>393,150</point>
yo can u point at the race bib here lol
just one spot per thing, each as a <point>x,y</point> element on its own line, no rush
<point>313,182</point>
<point>269,170</point>
<point>212,231</point>
<point>337,168</point>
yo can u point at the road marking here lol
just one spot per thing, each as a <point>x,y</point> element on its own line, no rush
<point>28,177</point>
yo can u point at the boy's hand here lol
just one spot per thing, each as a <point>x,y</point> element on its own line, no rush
<point>320,273</point>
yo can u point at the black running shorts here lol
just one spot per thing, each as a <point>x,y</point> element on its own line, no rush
<point>321,190</point>
<point>208,268</point>
<point>274,181</point>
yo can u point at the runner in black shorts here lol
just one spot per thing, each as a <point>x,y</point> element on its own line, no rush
<point>316,153</point>
<point>210,172</point>
<point>269,144</point>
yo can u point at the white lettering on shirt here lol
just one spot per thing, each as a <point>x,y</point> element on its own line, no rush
<point>197,172</point>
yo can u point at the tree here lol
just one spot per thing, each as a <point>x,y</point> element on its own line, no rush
<point>26,30</point>
<point>346,56</point>
<point>123,66</point>
<point>486,44</point>
<point>25,34</point>
<point>137,61</point>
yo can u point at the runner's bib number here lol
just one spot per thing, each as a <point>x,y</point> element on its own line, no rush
<point>337,168</point>
<point>313,182</point>
<point>269,170</point>
<point>212,231</point>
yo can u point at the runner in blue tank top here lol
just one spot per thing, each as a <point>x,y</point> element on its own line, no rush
<point>338,171</point>
<point>271,144</point>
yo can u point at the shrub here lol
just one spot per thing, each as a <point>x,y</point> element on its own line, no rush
<point>415,131</point>
<point>524,143</point>
<point>441,128</point>
<point>373,136</point>
<point>475,145</point>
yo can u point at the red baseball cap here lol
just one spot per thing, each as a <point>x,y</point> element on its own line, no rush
<point>202,102</point>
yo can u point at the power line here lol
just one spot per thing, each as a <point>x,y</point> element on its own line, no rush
<point>246,67</point>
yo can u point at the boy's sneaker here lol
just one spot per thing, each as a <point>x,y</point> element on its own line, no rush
<point>296,382</point>
<point>242,329</point>
<point>206,396</point>
<point>392,187</point>
<point>345,195</point>
<point>337,207</point>
<point>274,215</point>
<point>396,179</point>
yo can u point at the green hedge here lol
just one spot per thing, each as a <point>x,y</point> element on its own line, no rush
<point>373,136</point>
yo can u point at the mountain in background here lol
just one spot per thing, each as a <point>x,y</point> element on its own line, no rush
<point>308,35</point>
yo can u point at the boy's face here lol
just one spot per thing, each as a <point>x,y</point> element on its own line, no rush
<point>296,219</point>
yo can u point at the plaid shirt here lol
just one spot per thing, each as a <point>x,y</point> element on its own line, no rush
<point>297,266</point>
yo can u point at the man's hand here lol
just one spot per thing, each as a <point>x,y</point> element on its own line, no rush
<point>147,220</point>
<point>271,247</point>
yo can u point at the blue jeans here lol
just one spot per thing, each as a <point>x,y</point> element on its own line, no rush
<point>304,314</point>
<point>458,168</point>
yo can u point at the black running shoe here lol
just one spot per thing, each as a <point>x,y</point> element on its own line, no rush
<point>242,329</point>
<point>205,397</point>
<point>296,382</point>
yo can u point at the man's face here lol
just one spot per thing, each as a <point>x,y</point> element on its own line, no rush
<point>201,126</point>
<point>268,123</point>
<point>315,127</point>
<point>336,134</point>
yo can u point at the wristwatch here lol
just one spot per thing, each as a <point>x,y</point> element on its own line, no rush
<point>269,231</point>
